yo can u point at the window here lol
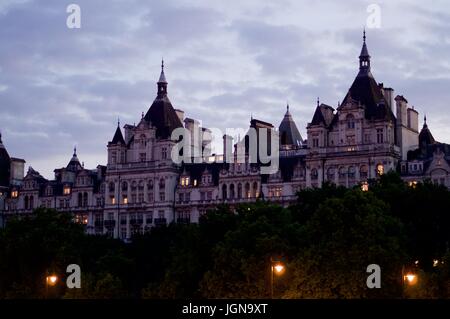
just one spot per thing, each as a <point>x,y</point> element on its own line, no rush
<point>351,172</point>
<point>113,200</point>
<point>112,187</point>
<point>202,196</point>
<point>149,218</point>
<point>247,191</point>
<point>164,153</point>
<point>363,171</point>
<point>113,157</point>
<point>140,198</point>
<point>315,142</point>
<point>181,197</point>
<point>380,169</point>
<point>124,187</point>
<point>122,157</point>
<point>379,135</point>
<point>14,194</point>
<point>224,191</point>
<point>209,195</point>
<point>66,190</point>
<point>330,174</point>
<point>142,157</point>
<point>367,138</point>
<point>185,181</point>
<point>350,121</point>
<point>150,197</point>
<point>162,196</point>
<point>195,182</point>
<point>314,174</point>
<point>125,199</point>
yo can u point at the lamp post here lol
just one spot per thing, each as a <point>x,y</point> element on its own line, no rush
<point>50,280</point>
<point>409,278</point>
<point>276,267</point>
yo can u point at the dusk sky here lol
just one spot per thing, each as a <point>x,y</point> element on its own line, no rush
<point>225,61</point>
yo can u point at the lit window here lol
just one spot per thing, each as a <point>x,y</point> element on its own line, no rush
<point>412,184</point>
<point>113,200</point>
<point>66,190</point>
<point>125,200</point>
<point>14,194</point>
<point>195,182</point>
<point>364,186</point>
<point>380,169</point>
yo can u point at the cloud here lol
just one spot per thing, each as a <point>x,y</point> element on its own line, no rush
<point>225,61</point>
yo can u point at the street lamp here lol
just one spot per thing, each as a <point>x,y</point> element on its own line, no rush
<point>409,278</point>
<point>276,268</point>
<point>50,281</point>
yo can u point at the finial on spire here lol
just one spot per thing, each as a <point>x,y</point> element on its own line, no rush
<point>364,35</point>
<point>425,119</point>
<point>318,101</point>
<point>118,121</point>
<point>287,105</point>
<point>162,64</point>
<point>74,150</point>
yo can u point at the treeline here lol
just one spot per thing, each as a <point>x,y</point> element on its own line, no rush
<point>326,241</point>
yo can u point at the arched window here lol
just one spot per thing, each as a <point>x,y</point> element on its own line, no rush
<point>26,202</point>
<point>330,174</point>
<point>314,174</point>
<point>31,202</point>
<point>255,189</point>
<point>239,191</point>
<point>224,191</point>
<point>380,169</point>
<point>80,199</point>
<point>363,171</point>
<point>162,183</point>
<point>351,172</point>
<point>112,187</point>
<point>232,191</point>
<point>150,184</point>
<point>85,199</point>
<point>124,187</point>
<point>342,172</point>
<point>350,121</point>
<point>247,191</point>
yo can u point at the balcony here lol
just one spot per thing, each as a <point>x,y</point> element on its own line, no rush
<point>98,223</point>
<point>160,221</point>
<point>136,221</point>
<point>183,220</point>
<point>110,223</point>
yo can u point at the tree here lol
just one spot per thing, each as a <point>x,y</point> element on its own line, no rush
<point>342,237</point>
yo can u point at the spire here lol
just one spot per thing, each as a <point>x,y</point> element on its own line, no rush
<point>118,137</point>
<point>364,57</point>
<point>318,101</point>
<point>424,123</point>
<point>162,82</point>
<point>287,107</point>
<point>74,151</point>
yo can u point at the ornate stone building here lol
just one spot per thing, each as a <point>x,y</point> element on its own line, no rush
<point>366,135</point>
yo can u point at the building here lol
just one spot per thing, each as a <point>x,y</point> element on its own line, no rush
<point>369,133</point>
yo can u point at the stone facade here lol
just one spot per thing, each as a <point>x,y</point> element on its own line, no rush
<point>366,135</point>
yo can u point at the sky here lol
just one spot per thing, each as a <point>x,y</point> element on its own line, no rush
<point>225,61</point>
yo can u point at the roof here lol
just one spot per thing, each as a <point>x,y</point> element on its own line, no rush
<point>323,115</point>
<point>366,91</point>
<point>425,136</point>
<point>5,165</point>
<point>289,134</point>
<point>161,114</point>
<point>74,164</point>
<point>118,137</point>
